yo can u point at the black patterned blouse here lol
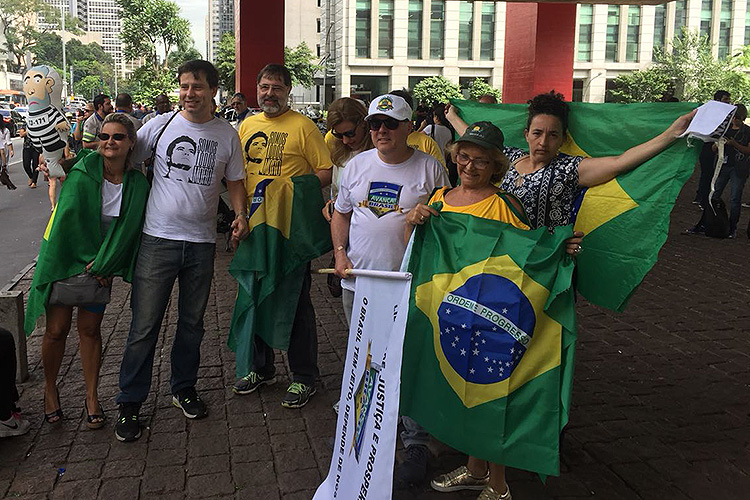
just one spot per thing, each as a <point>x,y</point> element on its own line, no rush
<point>547,194</point>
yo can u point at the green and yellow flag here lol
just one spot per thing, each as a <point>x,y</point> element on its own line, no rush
<point>488,351</point>
<point>74,235</point>
<point>626,220</point>
<point>287,230</point>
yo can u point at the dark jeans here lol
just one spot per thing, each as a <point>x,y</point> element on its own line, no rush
<point>30,163</point>
<point>160,262</point>
<point>303,342</point>
<point>737,174</point>
<point>8,392</point>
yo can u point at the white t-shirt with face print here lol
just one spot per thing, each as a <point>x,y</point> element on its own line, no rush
<point>191,159</point>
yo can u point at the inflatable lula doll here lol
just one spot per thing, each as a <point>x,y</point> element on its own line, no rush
<point>46,122</point>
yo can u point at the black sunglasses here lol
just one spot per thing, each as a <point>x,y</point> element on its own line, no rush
<point>349,133</point>
<point>390,123</point>
<point>117,137</point>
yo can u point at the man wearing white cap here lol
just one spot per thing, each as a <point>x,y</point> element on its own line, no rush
<point>378,188</point>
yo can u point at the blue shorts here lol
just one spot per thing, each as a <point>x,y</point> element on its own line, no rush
<point>95,308</point>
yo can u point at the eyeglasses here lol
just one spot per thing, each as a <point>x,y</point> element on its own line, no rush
<point>117,137</point>
<point>349,133</point>
<point>390,123</point>
<point>464,159</point>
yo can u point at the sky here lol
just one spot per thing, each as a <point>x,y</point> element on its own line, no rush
<point>195,11</point>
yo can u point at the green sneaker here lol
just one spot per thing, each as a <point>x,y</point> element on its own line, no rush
<point>251,382</point>
<point>297,395</point>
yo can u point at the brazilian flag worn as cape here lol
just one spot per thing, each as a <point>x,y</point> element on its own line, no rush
<point>626,220</point>
<point>287,230</point>
<point>74,236</point>
<point>489,345</point>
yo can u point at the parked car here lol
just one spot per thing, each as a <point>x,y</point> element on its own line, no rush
<point>12,119</point>
<point>23,111</point>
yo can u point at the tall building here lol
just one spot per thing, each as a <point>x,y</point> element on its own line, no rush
<point>616,39</point>
<point>220,19</point>
<point>67,6</point>
<point>377,45</point>
<point>303,22</point>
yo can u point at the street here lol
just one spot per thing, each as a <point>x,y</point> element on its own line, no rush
<point>23,216</point>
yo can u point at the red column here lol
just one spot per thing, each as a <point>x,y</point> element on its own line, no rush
<point>539,45</point>
<point>259,32</point>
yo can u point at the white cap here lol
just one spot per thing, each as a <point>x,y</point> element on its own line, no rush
<point>390,105</point>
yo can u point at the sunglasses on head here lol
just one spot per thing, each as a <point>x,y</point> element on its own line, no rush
<point>349,133</point>
<point>117,137</point>
<point>390,123</point>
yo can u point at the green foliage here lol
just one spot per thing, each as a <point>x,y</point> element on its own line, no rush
<point>649,85</point>
<point>148,23</point>
<point>179,56</point>
<point>479,87</point>
<point>18,25</point>
<point>435,89</point>
<point>226,61</point>
<point>689,71</point>
<point>90,86</point>
<point>299,61</point>
<point>145,83</point>
<point>87,60</point>
<point>48,49</point>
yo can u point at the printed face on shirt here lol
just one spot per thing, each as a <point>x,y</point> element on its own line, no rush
<point>181,153</point>
<point>255,147</point>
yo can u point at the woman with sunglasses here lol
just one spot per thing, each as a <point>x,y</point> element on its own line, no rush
<point>95,228</point>
<point>347,136</point>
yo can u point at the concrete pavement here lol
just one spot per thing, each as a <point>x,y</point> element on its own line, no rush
<point>660,408</point>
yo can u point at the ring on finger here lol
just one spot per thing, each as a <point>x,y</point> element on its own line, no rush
<point>421,217</point>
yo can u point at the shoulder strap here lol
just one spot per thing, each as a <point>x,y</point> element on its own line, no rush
<point>150,172</point>
<point>515,206</point>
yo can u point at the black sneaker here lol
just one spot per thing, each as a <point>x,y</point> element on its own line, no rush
<point>414,467</point>
<point>251,382</point>
<point>297,395</point>
<point>190,403</point>
<point>127,427</point>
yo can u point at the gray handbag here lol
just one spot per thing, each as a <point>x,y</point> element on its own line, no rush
<point>79,290</point>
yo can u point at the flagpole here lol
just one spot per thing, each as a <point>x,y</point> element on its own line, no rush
<point>370,273</point>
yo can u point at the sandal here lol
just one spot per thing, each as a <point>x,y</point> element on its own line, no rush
<point>97,420</point>
<point>55,416</point>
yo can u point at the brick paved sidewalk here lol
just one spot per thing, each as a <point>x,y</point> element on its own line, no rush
<point>660,402</point>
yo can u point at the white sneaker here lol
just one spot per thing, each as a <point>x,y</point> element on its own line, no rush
<point>14,426</point>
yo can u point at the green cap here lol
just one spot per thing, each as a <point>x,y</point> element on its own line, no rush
<point>483,134</point>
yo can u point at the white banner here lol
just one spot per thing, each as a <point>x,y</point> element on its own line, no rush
<point>363,454</point>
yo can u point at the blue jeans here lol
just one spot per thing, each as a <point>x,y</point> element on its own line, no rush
<point>737,174</point>
<point>160,262</point>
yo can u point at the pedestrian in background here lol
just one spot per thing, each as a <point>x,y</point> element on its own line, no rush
<point>6,151</point>
<point>30,157</point>
<point>11,422</point>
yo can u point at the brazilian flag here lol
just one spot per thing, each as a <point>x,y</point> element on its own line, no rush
<point>488,351</point>
<point>287,230</point>
<point>626,220</point>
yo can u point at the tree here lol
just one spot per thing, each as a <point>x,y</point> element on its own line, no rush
<point>689,70</point>
<point>18,24</point>
<point>299,62</point>
<point>147,24</point>
<point>90,86</point>
<point>48,49</point>
<point>226,61</point>
<point>436,89</point>
<point>145,83</point>
<point>479,87</point>
<point>179,56</point>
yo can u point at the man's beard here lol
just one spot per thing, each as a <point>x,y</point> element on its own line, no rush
<point>272,108</point>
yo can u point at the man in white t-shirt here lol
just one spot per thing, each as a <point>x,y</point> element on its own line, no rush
<point>378,187</point>
<point>194,152</point>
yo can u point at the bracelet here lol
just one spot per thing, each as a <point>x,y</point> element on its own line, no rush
<point>340,247</point>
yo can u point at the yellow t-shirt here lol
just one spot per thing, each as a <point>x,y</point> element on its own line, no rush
<point>285,146</point>
<point>426,144</point>
<point>493,207</point>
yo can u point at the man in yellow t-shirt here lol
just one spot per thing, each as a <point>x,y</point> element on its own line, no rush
<point>281,143</point>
